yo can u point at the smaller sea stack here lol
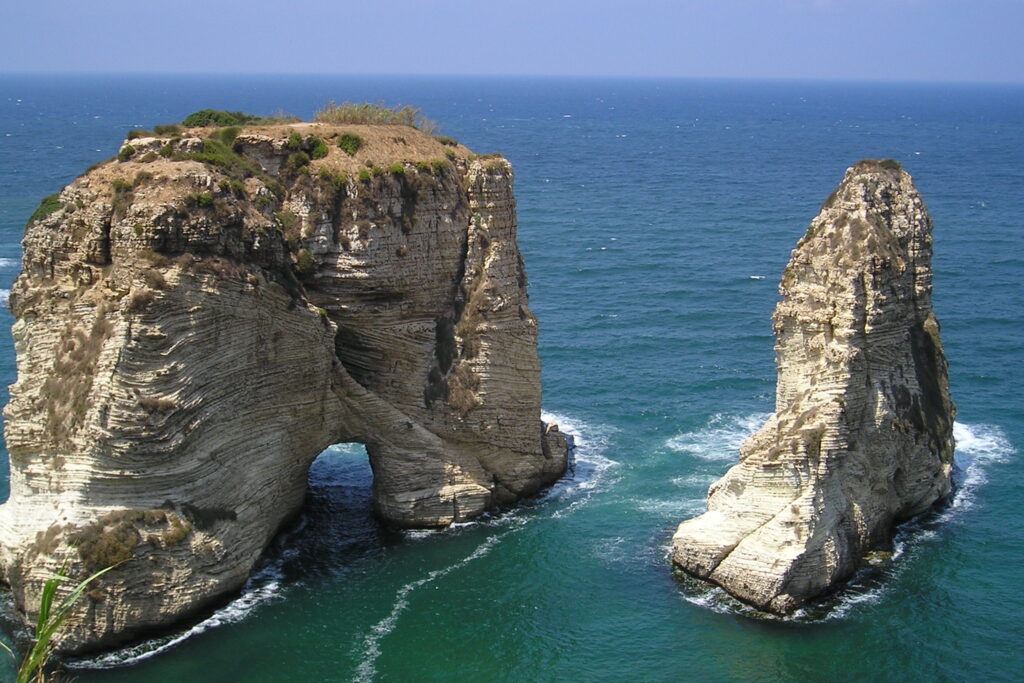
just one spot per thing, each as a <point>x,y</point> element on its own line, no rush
<point>862,434</point>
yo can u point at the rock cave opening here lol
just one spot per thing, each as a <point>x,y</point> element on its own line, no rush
<point>219,332</point>
<point>337,524</point>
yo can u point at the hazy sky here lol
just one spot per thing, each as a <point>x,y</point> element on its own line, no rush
<point>950,40</point>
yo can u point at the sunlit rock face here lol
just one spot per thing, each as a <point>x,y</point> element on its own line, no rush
<point>861,437</point>
<point>199,319</point>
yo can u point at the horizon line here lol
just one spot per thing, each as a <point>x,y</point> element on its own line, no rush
<point>522,76</point>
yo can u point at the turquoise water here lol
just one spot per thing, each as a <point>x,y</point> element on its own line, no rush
<point>655,218</point>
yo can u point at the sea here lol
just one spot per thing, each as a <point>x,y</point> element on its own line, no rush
<point>655,218</point>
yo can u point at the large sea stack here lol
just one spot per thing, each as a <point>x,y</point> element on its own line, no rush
<point>862,435</point>
<point>198,319</point>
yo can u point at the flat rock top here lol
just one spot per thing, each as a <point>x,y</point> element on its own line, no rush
<point>381,146</point>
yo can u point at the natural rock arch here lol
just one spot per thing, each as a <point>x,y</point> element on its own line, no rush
<point>197,322</point>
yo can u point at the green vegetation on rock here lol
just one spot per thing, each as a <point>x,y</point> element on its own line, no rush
<point>217,153</point>
<point>366,113</point>
<point>49,205</point>
<point>214,117</point>
<point>319,150</point>
<point>49,622</point>
<point>350,143</point>
<point>219,117</point>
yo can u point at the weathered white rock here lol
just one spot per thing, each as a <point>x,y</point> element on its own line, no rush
<point>862,436</point>
<point>188,341</point>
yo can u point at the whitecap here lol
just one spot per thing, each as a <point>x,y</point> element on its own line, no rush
<point>265,585</point>
<point>9,262</point>
<point>699,481</point>
<point>587,477</point>
<point>720,438</point>
<point>591,468</point>
<point>978,447</point>
<point>262,587</point>
<point>5,296</point>
<point>420,534</point>
<point>367,668</point>
<point>671,509</point>
<point>346,449</point>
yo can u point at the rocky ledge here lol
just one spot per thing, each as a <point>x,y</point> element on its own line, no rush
<point>198,319</point>
<point>862,436</point>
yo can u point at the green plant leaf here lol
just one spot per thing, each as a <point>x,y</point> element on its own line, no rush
<point>50,620</point>
<point>46,599</point>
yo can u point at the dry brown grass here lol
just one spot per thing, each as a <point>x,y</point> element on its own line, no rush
<point>154,279</point>
<point>112,538</point>
<point>154,404</point>
<point>380,146</point>
<point>375,114</point>
<point>221,268</point>
<point>462,387</point>
<point>140,300</point>
<point>66,388</point>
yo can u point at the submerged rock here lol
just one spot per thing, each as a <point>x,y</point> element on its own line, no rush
<point>862,434</point>
<point>198,320</point>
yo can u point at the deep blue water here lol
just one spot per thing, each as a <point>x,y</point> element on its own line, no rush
<point>655,218</point>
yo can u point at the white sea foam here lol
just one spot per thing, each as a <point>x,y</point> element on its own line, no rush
<point>613,550</point>
<point>714,599</point>
<point>715,443</point>
<point>697,481</point>
<point>978,447</point>
<point>367,668</point>
<point>9,262</point>
<point>589,476</point>
<point>592,471</point>
<point>346,449</point>
<point>847,602</point>
<point>5,296</point>
<point>672,509</point>
<point>262,587</point>
<point>720,438</point>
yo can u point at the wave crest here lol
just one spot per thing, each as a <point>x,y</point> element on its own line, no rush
<point>720,438</point>
<point>978,448</point>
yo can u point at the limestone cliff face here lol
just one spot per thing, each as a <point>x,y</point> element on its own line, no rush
<point>197,321</point>
<point>861,437</point>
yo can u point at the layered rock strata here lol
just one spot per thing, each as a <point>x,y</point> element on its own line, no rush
<point>200,318</point>
<point>862,436</point>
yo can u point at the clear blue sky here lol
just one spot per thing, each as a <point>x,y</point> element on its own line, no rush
<point>930,40</point>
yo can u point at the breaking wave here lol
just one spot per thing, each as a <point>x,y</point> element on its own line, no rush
<point>978,448</point>
<point>588,476</point>
<point>262,587</point>
<point>720,438</point>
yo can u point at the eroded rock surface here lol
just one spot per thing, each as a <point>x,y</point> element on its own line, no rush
<point>862,436</point>
<point>197,321</point>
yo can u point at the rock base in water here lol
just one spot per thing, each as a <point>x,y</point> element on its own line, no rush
<point>862,436</point>
<point>200,318</point>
